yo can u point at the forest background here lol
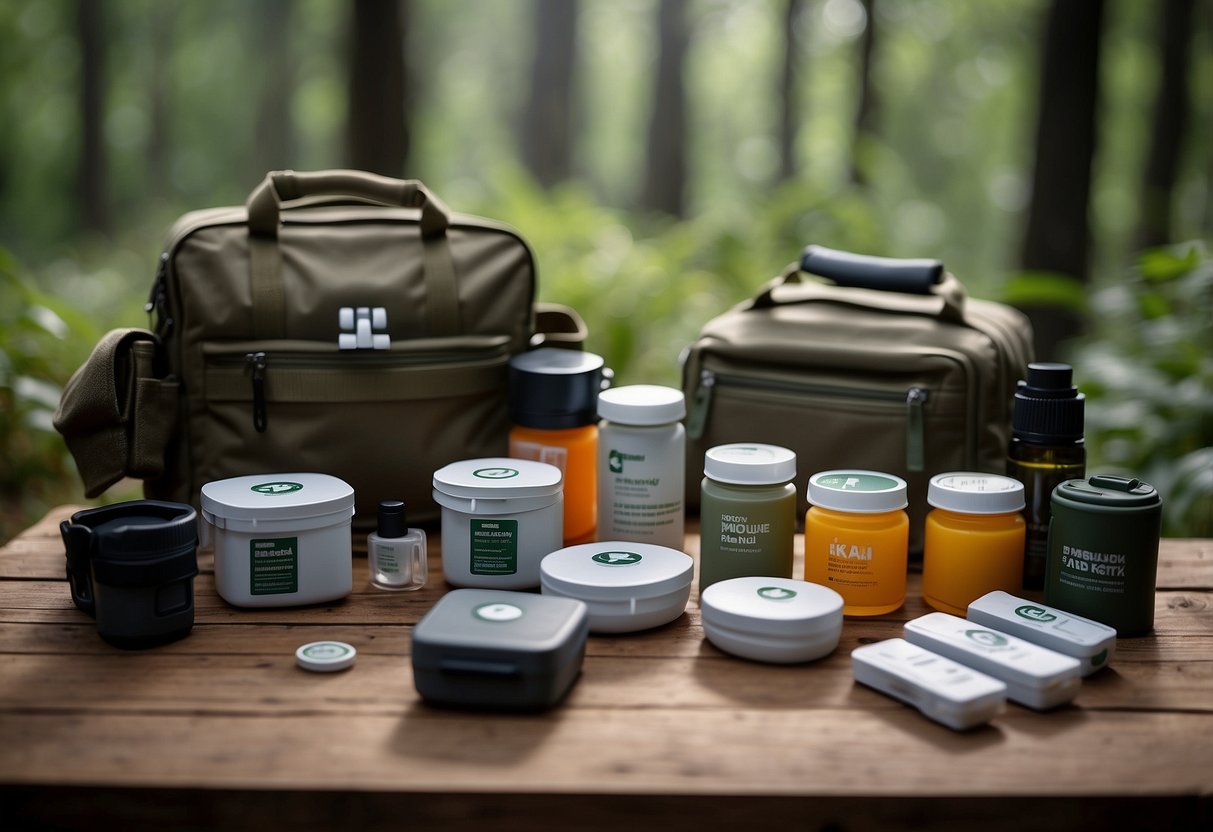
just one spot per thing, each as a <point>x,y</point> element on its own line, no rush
<point>663,158</point>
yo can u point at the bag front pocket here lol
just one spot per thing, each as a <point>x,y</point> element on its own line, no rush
<point>382,420</point>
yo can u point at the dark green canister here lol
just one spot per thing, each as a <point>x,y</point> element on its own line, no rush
<point>1103,551</point>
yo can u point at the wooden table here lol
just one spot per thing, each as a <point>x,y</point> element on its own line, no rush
<point>221,730</point>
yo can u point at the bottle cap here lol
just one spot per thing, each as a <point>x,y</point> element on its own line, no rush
<point>866,492</point>
<point>325,656</point>
<point>971,493</point>
<point>392,520</point>
<point>554,388</point>
<point>1048,407</point>
<point>750,463</point>
<point>642,405</point>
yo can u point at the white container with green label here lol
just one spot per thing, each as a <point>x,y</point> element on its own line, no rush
<point>500,516</point>
<point>280,540</point>
<point>627,586</point>
<point>779,620</point>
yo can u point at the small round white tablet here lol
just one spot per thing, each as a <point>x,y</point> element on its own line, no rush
<point>325,656</point>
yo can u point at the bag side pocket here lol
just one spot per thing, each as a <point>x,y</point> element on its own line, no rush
<point>116,413</point>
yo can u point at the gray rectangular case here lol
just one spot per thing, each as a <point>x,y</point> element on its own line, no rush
<point>499,650</point>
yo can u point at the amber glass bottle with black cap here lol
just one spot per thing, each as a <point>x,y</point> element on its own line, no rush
<point>1046,450</point>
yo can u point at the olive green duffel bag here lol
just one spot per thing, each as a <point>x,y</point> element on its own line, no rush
<point>860,362</point>
<point>339,322</point>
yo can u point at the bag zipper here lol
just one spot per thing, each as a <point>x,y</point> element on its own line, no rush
<point>256,365</point>
<point>255,362</point>
<point>914,398</point>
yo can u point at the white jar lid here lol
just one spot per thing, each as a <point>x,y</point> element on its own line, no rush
<point>642,404</point>
<point>616,570</point>
<point>750,463</point>
<point>972,493</point>
<point>277,497</point>
<point>867,492</point>
<point>772,619</point>
<point>498,478</point>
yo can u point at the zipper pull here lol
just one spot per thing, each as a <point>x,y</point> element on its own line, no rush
<point>256,368</point>
<point>698,420</point>
<point>157,320</point>
<point>916,397</point>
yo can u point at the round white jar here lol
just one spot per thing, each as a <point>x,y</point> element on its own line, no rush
<point>280,539</point>
<point>500,517</point>
<point>778,620</point>
<point>627,586</point>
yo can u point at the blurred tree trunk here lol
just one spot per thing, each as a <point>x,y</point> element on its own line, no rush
<point>865,113</point>
<point>91,179</point>
<point>164,17</point>
<point>274,148</point>
<point>1170,122</point>
<point>789,100</point>
<point>547,128</point>
<point>665,166</point>
<point>377,123</point>
<point>1058,237</point>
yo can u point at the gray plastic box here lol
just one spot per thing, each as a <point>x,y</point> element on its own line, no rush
<point>499,649</point>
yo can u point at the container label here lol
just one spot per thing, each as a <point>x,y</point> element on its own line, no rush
<point>495,473</point>
<point>497,612</point>
<point>857,482</point>
<point>550,454</point>
<point>273,565</point>
<point>776,593</point>
<point>493,546</point>
<point>617,558</point>
<point>275,489</point>
<point>1034,613</point>
<point>1097,571</point>
<point>741,535</point>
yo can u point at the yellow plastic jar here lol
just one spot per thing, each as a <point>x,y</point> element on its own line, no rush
<point>856,539</point>
<point>974,539</point>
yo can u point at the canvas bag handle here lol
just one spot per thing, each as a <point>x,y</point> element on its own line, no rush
<point>265,205</point>
<point>856,276</point>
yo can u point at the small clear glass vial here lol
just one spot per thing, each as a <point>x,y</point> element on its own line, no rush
<point>396,554</point>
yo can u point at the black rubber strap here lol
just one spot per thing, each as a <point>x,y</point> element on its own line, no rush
<point>862,271</point>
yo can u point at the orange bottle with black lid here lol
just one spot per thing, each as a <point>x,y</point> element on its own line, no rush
<point>554,411</point>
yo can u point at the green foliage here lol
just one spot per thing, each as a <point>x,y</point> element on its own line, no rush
<point>646,285</point>
<point>1147,371</point>
<point>42,341</point>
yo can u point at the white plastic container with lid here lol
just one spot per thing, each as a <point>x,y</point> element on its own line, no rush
<point>500,516</point>
<point>777,620</point>
<point>747,512</point>
<point>641,465</point>
<point>627,586</point>
<point>280,539</point>
<point>1035,676</point>
<point>1088,641</point>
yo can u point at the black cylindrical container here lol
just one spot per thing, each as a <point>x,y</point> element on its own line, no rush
<point>131,566</point>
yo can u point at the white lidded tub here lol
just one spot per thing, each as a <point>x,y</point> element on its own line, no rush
<point>500,516</point>
<point>280,539</point>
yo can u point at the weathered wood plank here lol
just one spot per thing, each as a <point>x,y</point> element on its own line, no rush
<point>745,751</point>
<point>265,679</point>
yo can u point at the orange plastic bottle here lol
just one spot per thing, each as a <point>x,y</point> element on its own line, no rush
<point>554,410</point>
<point>856,539</point>
<point>974,539</point>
